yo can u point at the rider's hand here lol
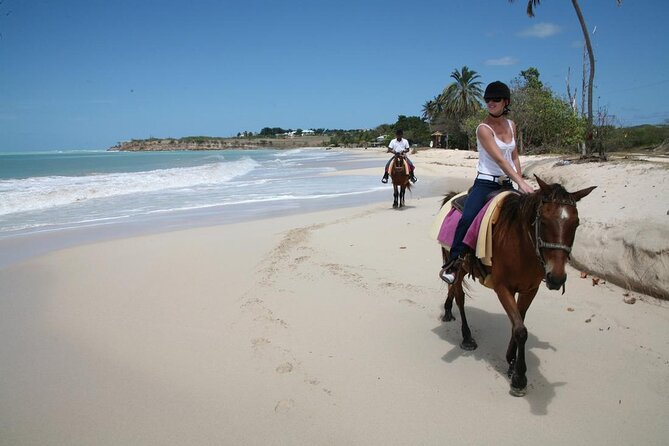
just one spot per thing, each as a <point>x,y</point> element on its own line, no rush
<point>525,188</point>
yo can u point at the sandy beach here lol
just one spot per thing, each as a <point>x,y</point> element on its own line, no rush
<point>324,328</point>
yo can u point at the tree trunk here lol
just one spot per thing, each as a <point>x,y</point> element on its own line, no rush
<point>588,45</point>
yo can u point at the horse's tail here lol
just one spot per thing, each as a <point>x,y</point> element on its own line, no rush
<point>447,198</point>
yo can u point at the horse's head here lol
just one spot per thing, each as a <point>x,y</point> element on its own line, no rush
<point>554,229</point>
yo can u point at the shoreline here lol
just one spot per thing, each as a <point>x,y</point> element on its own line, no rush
<point>629,249</point>
<point>27,243</point>
<point>617,241</point>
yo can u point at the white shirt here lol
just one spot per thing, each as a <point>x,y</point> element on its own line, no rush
<point>398,146</point>
<point>488,165</point>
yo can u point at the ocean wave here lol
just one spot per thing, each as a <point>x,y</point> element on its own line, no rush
<point>287,153</point>
<point>40,193</point>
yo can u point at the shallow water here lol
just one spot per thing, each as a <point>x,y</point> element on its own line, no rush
<point>52,191</point>
<point>51,201</point>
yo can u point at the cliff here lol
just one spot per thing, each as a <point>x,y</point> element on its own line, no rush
<point>215,143</point>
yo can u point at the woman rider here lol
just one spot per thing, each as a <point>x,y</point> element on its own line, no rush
<point>498,164</point>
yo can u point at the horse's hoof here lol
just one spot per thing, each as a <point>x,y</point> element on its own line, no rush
<point>518,385</point>
<point>468,345</point>
<point>518,392</point>
<point>447,317</point>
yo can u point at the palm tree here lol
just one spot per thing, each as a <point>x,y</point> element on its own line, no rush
<point>428,111</point>
<point>531,4</point>
<point>432,109</point>
<point>463,96</point>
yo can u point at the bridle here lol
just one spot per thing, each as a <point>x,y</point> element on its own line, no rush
<point>538,242</point>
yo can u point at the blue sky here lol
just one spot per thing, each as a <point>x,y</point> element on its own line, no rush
<point>85,74</point>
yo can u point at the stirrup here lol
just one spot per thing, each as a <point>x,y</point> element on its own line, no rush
<point>385,178</point>
<point>447,276</point>
<point>449,271</point>
<point>413,178</point>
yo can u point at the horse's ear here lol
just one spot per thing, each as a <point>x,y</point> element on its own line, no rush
<point>582,193</point>
<point>542,185</point>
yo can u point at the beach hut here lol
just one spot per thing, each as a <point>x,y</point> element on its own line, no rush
<point>439,140</point>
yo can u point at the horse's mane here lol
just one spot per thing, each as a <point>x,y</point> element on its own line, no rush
<point>520,209</point>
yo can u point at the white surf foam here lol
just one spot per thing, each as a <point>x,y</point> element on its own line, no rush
<point>39,193</point>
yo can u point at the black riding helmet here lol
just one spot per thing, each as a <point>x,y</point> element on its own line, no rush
<point>497,89</point>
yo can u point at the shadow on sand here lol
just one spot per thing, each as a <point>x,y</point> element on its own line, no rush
<point>492,341</point>
<point>403,208</point>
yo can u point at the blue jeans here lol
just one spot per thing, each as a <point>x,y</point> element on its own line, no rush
<point>475,201</point>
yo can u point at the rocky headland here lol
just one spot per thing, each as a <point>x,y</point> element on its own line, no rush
<point>218,143</point>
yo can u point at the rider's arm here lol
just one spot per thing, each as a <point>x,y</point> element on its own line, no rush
<point>516,161</point>
<point>514,154</point>
<point>485,136</point>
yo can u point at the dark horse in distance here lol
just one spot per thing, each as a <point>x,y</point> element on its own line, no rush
<point>532,240</point>
<point>399,174</point>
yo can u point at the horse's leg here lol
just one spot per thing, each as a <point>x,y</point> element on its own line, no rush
<point>448,305</point>
<point>519,336</point>
<point>468,343</point>
<point>395,196</point>
<point>402,190</point>
<point>524,302</point>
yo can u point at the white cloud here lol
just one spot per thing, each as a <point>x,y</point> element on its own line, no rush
<point>506,60</point>
<point>540,30</point>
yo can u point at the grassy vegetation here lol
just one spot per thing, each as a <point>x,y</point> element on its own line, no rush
<point>641,137</point>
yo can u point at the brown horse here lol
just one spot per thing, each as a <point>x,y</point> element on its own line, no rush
<point>531,241</point>
<point>400,179</point>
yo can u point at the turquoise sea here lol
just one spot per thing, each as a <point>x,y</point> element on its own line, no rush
<point>53,191</point>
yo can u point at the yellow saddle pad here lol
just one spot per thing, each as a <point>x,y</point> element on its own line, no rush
<point>484,241</point>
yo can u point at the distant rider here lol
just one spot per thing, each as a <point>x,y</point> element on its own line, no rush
<point>399,145</point>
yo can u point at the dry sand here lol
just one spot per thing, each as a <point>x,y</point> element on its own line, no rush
<point>324,328</point>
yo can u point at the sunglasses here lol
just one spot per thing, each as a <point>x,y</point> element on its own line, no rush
<point>493,100</point>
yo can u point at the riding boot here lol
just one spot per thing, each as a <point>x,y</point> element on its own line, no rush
<point>413,178</point>
<point>385,178</point>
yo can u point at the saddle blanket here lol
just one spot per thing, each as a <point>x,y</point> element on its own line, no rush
<point>479,235</point>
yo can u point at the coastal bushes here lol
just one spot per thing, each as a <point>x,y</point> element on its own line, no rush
<point>546,122</point>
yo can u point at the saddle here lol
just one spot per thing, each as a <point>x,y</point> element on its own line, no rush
<point>399,163</point>
<point>479,235</point>
<point>459,201</point>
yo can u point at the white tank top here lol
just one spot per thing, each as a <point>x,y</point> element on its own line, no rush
<point>486,164</point>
